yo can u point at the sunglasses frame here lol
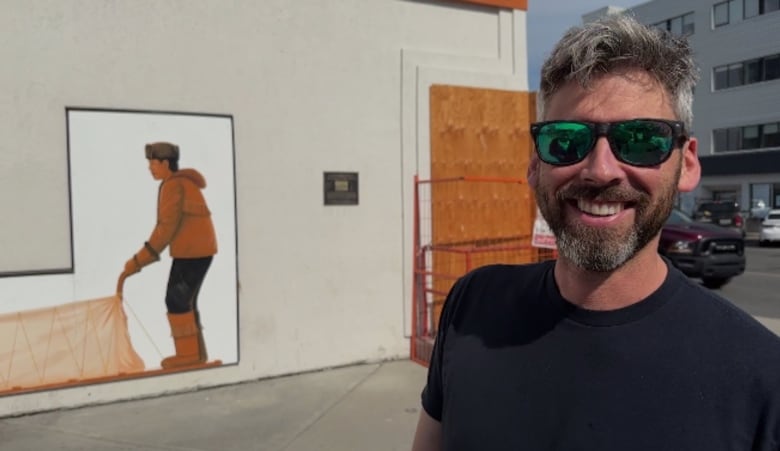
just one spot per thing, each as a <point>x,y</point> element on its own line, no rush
<point>599,129</point>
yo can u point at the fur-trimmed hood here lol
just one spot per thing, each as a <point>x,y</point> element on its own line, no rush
<point>191,174</point>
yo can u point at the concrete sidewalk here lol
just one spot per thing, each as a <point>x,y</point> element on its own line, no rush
<point>367,408</point>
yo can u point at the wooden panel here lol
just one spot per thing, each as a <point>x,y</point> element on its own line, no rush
<point>479,133</point>
<point>485,133</point>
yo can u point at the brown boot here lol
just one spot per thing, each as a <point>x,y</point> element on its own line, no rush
<point>185,338</point>
<point>204,356</point>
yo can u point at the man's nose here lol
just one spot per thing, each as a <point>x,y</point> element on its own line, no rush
<point>601,166</point>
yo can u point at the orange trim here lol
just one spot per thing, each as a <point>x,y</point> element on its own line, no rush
<point>513,4</point>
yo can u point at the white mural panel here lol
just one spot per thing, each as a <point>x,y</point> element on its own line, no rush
<point>114,208</point>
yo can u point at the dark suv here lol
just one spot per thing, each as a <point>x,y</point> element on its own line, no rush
<point>721,212</point>
<point>714,254</point>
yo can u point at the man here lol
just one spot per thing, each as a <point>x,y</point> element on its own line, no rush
<point>609,347</point>
<point>183,223</point>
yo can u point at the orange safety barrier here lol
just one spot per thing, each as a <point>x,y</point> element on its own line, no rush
<point>462,223</point>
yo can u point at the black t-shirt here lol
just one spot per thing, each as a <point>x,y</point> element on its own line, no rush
<point>517,367</point>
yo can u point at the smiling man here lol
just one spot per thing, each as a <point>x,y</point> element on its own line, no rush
<point>609,347</point>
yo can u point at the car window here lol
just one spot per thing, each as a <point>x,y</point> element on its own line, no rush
<point>773,216</point>
<point>678,217</point>
<point>718,207</point>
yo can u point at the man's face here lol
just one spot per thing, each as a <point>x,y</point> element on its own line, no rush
<point>602,211</point>
<point>158,168</point>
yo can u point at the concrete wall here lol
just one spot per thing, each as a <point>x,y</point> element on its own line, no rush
<point>312,86</point>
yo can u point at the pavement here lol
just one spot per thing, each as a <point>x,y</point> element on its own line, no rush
<point>372,407</point>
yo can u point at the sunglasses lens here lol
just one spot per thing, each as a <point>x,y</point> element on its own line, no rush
<point>642,142</point>
<point>562,143</point>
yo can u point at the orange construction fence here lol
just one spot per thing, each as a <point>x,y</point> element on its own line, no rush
<point>462,223</point>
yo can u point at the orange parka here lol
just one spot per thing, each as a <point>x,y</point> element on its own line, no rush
<point>183,220</point>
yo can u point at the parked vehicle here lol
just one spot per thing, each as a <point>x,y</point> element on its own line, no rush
<point>770,229</point>
<point>713,253</point>
<point>758,209</point>
<point>722,213</point>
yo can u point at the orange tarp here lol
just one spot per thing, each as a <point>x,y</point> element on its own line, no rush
<point>65,344</point>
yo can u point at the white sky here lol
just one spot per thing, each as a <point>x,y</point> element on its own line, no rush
<point>549,19</point>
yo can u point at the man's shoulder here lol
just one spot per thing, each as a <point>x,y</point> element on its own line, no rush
<point>726,320</point>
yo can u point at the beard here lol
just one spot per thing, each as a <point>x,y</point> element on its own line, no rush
<point>604,249</point>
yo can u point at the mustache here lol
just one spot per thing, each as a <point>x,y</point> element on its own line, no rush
<point>610,193</point>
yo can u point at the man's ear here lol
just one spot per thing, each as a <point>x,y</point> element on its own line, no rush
<point>532,174</point>
<point>690,169</point>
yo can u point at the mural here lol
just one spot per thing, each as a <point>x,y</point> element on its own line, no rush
<point>147,226</point>
<point>184,225</point>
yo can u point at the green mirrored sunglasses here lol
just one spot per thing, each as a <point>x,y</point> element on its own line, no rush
<point>638,142</point>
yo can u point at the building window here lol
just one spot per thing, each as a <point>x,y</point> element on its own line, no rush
<point>732,11</point>
<point>752,8</point>
<point>679,25</point>
<point>747,72</point>
<point>755,8</point>
<point>721,77</point>
<point>752,71</point>
<point>720,140</point>
<point>675,25</point>
<point>771,135</point>
<point>687,24</point>
<point>749,137</point>
<point>720,14</point>
<point>772,67</point>
<point>736,75</point>
<point>734,138</point>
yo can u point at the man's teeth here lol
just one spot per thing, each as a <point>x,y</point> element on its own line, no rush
<point>599,208</point>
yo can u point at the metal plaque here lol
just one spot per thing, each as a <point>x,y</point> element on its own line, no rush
<point>341,188</point>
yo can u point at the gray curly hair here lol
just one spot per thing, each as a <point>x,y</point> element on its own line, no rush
<point>620,42</point>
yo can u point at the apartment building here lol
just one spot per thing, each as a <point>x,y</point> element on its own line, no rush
<point>737,101</point>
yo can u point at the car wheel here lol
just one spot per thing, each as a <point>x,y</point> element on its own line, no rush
<point>715,282</point>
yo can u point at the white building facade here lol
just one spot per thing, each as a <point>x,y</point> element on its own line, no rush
<point>736,113</point>
<point>311,88</point>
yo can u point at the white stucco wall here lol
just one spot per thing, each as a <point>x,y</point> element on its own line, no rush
<point>312,86</point>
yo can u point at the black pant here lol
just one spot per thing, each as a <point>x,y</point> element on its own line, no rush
<point>184,283</point>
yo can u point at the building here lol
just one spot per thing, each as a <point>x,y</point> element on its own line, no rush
<point>284,106</point>
<point>736,114</point>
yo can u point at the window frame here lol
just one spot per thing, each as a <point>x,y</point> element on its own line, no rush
<point>736,74</point>
<point>771,59</point>
<point>765,136</point>
<point>758,5</point>
<point>688,21</point>
<point>736,139</point>
<point>715,9</point>
<point>764,68</point>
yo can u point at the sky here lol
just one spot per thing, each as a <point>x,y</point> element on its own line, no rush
<point>549,19</point>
